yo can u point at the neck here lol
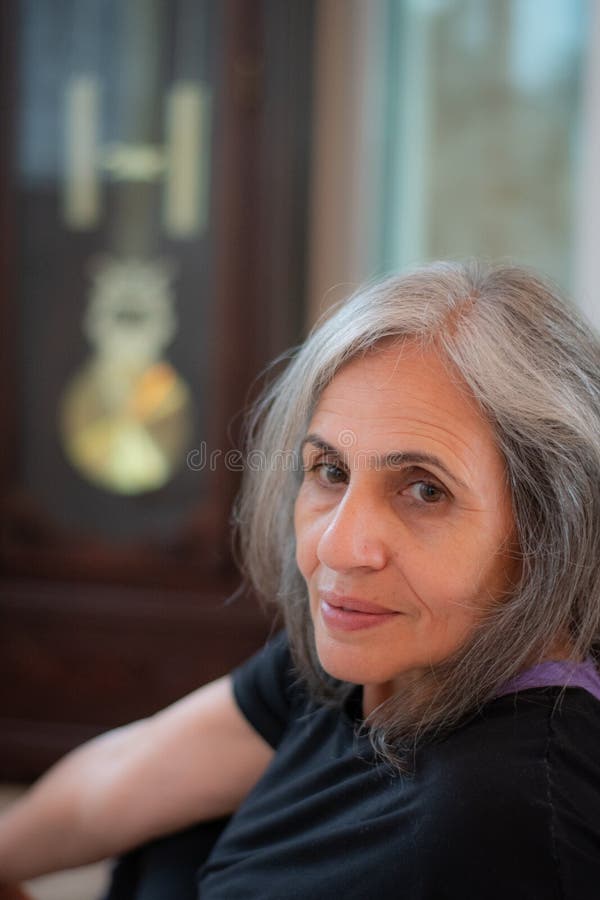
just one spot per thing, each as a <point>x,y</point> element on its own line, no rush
<point>374,695</point>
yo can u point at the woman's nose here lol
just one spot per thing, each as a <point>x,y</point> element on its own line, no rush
<point>354,536</point>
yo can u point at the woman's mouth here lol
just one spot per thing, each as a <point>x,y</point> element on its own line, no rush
<point>351,613</point>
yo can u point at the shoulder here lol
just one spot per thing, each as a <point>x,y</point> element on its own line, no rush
<point>514,794</point>
<point>518,747</point>
<point>527,727</point>
<point>573,772</point>
<point>268,689</point>
<point>485,773</point>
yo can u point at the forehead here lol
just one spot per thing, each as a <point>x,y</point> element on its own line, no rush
<point>402,374</point>
<point>401,392</point>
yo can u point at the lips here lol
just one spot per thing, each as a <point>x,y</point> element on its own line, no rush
<point>353,604</point>
<point>340,613</point>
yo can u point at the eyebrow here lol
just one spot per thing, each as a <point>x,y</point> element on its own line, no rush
<point>390,460</point>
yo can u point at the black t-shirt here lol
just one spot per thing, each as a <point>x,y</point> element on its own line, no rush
<point>507,806</point>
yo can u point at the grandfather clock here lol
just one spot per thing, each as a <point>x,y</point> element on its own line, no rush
<point>154,158</point>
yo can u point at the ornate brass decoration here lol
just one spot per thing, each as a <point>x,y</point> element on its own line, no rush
<point>126,417</point>
<point>182,163</point>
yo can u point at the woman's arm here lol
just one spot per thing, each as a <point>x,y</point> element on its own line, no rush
<point>193,761</point>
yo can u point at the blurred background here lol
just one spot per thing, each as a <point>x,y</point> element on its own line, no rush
<point>184,186</point>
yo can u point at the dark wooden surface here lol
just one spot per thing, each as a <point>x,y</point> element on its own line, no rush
<point>80,660</point>
<point>95,633</point>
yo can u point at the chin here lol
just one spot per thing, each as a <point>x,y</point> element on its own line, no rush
<point>351,662</point>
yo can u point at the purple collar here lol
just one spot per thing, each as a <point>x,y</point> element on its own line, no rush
<point>557,673</point>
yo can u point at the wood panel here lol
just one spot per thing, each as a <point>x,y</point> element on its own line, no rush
<point>94,632</point>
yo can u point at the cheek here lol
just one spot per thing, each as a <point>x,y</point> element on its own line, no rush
<point>453,584</point>
<point>307,538</point>
<point>438,590</point>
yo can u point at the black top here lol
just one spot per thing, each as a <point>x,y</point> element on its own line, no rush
<point>507,806</point>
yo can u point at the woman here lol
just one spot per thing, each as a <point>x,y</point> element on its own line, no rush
<point>423,504</point>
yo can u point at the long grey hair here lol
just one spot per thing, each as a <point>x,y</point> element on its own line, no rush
<point>533,365</point>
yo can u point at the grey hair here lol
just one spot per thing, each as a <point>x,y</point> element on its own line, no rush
<point>533,365</point>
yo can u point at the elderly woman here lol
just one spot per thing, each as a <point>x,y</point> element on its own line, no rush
<point>424,505</point>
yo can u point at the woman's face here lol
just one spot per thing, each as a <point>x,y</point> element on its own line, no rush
<point>403,521</point>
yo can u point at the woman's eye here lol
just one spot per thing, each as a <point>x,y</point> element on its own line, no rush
<point>426,492</point>
<point>328,473</point>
